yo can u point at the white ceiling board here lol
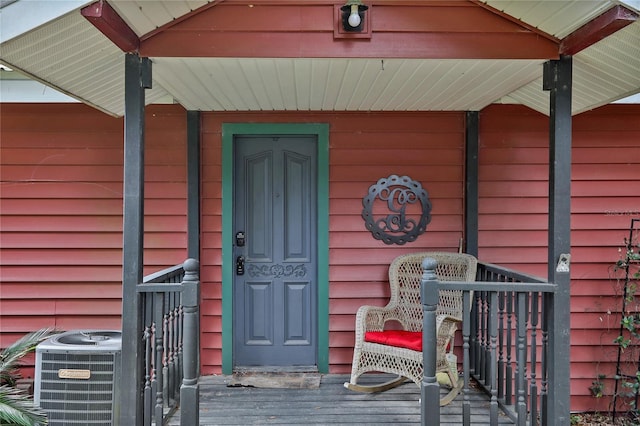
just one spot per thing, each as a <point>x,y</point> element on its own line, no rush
<point>273,84</point>
<point>557,18</point>
<point>69,54</point>
<point>603,73</point>
<point>530,95</point>
<point>144,16</point>
<point>21,17</point>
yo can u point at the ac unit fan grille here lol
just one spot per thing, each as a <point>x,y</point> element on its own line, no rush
<point>78,401</point>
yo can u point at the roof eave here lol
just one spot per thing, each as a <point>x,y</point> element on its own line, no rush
<point>21,17</point>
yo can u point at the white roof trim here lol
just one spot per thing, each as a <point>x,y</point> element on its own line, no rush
<point>21,17</point>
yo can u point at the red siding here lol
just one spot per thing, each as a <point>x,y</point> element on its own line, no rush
<point>364,147</point>
<point>605,195</point>
<point>452,30</point>
<point>61,213</point>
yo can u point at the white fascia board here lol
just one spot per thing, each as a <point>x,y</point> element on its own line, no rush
<point>25,15</point>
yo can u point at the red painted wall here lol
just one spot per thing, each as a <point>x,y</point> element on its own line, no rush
<point>364,147</point>
<point>276,29</point>
<point>605,196</point>
<point>61,213</point>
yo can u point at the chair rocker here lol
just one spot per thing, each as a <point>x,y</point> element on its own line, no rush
<point>400,351</point>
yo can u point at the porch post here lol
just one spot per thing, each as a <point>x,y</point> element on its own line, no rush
<point>193,184</point>
<point>429,389</point>
<point>471,183</point>
<point>558,79</point>
<point>193,205</point>
<point>137,77</point>
<point>190,389</point>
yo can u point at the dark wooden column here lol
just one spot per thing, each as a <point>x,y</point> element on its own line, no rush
<point>471,183</point>
<point>429,388</point>
<point>558,80</point>
<point>193,184</point>
<point>193,210</point>
<point>137,77</point>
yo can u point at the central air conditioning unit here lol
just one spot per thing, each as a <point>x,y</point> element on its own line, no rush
<point>77,377</point>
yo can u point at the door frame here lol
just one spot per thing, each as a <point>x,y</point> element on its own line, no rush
<point>229,133</point>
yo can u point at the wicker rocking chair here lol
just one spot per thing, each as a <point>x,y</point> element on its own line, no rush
<point>400,351</point>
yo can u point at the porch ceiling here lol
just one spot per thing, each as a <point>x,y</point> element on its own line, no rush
<point>256,84</point>
<point>63,50</point>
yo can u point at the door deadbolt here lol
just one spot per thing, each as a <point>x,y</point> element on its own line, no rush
<point>240,239</point>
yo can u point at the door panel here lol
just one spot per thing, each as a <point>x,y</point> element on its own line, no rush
<point>275,299</point>
<point>296,232</point>
<point>258,197</point>
<point>297,310</point>
<point>258,297</point>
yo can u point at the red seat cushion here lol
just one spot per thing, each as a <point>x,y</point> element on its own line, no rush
<point>398,338</point>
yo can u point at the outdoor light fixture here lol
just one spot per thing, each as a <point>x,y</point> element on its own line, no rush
<point>353,15</point>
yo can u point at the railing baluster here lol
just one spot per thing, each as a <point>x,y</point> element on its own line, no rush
<point>170,348</point>
<point>148,343</point>
<point>544,364</point>
<point>492,373</point>
<point>483,337</point>
<point>180,364</point>
<point>475,336</point>
<point>175,303</point>
<point>508,398</point>
<point>520,359</point>
<point>527,317</point>
<point>158,299</point>
<point>466,358</point>
<point>501,342</point>
<point>166,351</point>
<point>533,390</point>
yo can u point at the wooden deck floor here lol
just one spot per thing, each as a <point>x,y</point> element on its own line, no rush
<point>330,404</point>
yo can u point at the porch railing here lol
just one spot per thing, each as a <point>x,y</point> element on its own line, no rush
<point>170,302</point>
<point>505,335</point>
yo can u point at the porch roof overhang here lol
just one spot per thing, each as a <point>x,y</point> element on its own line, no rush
<point>61,48</point>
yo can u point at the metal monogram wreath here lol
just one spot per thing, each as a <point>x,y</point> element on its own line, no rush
<point>397,222</point>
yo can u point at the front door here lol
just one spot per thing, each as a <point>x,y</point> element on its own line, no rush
<point>275,271</point>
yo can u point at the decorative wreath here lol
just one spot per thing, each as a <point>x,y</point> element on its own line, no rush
<point>396,225</point>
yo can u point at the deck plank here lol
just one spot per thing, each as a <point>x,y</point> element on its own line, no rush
<point>330,404</point>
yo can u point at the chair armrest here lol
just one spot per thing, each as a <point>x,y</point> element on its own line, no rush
<point>372,318</point>
<point>444,320</point>
<point>446,327</point>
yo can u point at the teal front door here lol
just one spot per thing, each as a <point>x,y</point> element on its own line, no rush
<point>275,251</point>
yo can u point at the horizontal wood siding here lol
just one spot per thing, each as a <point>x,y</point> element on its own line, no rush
<point>454,30</point>
<point>513,188</point>
<point>605,196</point>
<point>364,147</point>
<point>61,213</point>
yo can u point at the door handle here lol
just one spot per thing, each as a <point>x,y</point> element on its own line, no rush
<point>240,265</point>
